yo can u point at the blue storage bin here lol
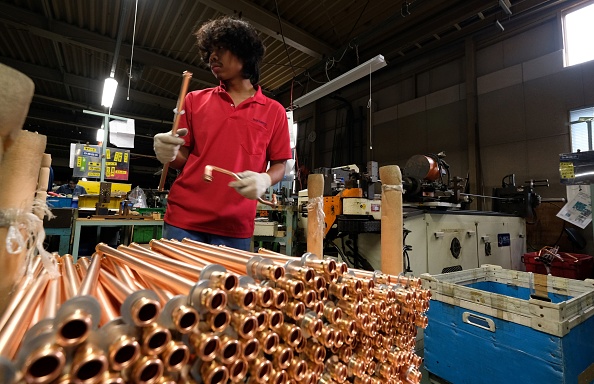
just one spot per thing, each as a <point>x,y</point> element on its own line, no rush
<point>485,328</point>
<point>59,202</point>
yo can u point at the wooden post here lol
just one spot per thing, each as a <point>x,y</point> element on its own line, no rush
<point>315,212</point>
<point>391,237</point>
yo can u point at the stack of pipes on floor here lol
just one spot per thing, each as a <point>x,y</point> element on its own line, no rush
<point>188,312</point>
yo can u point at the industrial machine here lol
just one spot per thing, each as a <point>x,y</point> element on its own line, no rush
<point>518,200</point>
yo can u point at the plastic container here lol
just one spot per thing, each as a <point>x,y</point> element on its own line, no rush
<point>59,202</point>
<point>574,265</point>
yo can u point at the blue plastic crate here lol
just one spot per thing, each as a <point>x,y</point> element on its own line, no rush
<point>485,328</point>
<point>59,202</point>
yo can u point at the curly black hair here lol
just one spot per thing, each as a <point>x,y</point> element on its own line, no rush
<point>237,36</point>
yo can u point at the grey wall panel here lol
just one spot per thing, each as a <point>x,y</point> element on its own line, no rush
<point>502,159</point>
<point>501,116</point>
<point>543,162</point>
<point>533,43</point>
<point>489,59</point>
<point>445,127</point>
<point>412,135</point>
<point>588,80</point>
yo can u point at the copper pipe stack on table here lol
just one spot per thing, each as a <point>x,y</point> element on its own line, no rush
<point>192,312</point>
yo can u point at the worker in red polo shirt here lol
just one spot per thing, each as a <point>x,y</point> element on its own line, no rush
<point>232,126</point>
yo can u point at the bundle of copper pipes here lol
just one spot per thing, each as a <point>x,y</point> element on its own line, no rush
<point>188,312</point>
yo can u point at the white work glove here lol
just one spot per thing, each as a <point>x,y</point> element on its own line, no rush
<point>252,184</point>
<point>167,145</point>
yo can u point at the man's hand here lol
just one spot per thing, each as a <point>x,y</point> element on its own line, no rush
<point>167,145</point>
<point>252,184</point>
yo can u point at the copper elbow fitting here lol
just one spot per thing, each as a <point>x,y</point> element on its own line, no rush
<point>175,356</point>
<point>332,313</point>
<point>291,334</point>
<point>250,348</point>
<point>206,345</point>
<point>282,357</point>
<point>295,310</point>
<point>245,324</point>
<point>269,341</point>
<point>261,369</point>
<point>44,365</point>
<point>293,287</point>
<point>297,369</point>
<point>311,325</point>
<point>214,373</point>
<point>238,370</point>
<point>215,322</point>
<point>242,298</point>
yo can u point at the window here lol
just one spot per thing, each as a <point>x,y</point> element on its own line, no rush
<point>580,121</point>
<point>578,29</point>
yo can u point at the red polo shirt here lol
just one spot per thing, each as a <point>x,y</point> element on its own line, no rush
<point>236,138</point>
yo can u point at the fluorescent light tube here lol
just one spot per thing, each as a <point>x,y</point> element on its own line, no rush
<point>109,91</point>
<point>343,80</point>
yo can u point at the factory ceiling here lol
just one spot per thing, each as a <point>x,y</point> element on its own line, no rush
<point>68,48</point>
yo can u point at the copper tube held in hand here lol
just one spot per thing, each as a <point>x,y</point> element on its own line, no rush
<point>207,176</point>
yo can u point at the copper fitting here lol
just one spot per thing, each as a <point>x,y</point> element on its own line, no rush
<point>260,268</point>
<point>305,274</point>
<point>410,375</point>
<point>242,298</point>
<point>371,367</point>
<point>314,351</point>
<point>44,364</point>
<point>214,373</point>
<point>326,337</point>
<point>338,337</point>
<point>299,348</point>
<point>297,369</point>
<point>146,370</point>
<point>339,290</point>
<point>332,313</point>
<point>215,322</point>
<point>250,348</point>
<point>344,354</point>
<point>230,349</point>
<point>185,319</point>
<point>318,308</point>
<point>323,294</point>
<point>123,349</point>
<point>354,283</point>
<point>422,321</point>
<point>244,323</point>
<point>355,367</point>
<point>261,369</point>
<point>295,310</point>
<point>342,268</point>
<point>279,376</point>
<point>311,325</point>
<point>263,320</point>
<point>348,326</point>
<point>238,370</point>
<point>293,287</point>
<point>264,295</point>
<point>89,363</point>
<point>282,357</point>
<point>317,283</point>
<point>154,339</point>
<point>269,341</point>
<point>326,266</point>
<point>364,379</point>
<point>290,333</point>
<point>209,299</point>
<point>275,318</point>
<point>337,370</point>
<point>175,356</point>
<point>380,355</point>
<point>280,298</point>
<point>309,298</point>
<point>206,345</point>
<point>326,379</point>
<point>354,310</point>
<point>113,378</point>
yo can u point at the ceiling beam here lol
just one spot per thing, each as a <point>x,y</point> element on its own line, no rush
<point>38,25</point>
<point>267,22</point>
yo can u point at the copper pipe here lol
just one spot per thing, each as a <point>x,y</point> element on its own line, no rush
<point>154,339</point>
<point>250,349</point>
<point>143,311</point>
<point>311,325</point>
<point>208,178</point>
<point>215,322</point>
<point>69,277</point>
<point>162,258</point>
<point>214,373</point>
<point>238,370</point>
<point>16,326</point>
<point>297,369</point>
<point>52,300</point>
<point>244,323</point>
<point>119,269</point>
<point>89,363</point>
<point>19,291</point>
<point>44,364</point>
<point>314,351</point>
<point>309,298</point>
<point>147,370</point>
<point>175,356</point>
<point>295,310</point>
<point>230,349</point>
<point>207,346</point>
<point>178,283</point>
<point>89,283</point>
<point>269,341</point>
<point>282,357</point>
<point>290,333</point>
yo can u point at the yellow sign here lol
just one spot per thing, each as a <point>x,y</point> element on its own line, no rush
<point>566,170</point>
